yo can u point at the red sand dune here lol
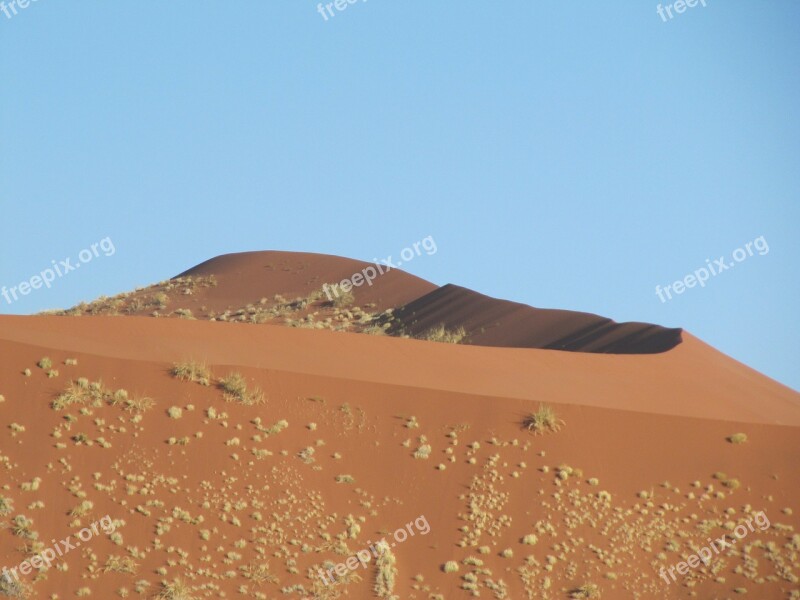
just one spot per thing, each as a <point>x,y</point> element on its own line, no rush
<point>492,322</point>
<point>248,276</point>
<point>359,435</point>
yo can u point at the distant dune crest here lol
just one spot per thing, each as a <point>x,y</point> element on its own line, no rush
<point>294,289</point>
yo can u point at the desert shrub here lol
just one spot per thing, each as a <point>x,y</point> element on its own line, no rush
<point>441,334</point>
<point>587,590</point>
<point>235,388</point>
<point>192,371</point>
<point>543,421</point>
<point>13,589</point>
<point>175,590</point>
<point>120,564</point>
<point>387,572</point>
<point>738,438</point>
<point>139,404</point>
<point>450,566</point>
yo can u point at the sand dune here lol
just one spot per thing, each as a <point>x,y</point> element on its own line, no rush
<point>493,322</point>
<point>258,485</point>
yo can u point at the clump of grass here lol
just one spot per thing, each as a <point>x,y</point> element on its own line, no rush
<point>6,506</point>
<point>387,572</point>
<point>737,438</point>
<point>175,590</point>
<point>345,479</point>
<point>120,564</point>
<point>45,363</point>
<point>587,590</point>
<point>192,371</point>
<point>235,388</point>
<point>174,412</point>
<point>423,452</point>
<point>542,421</point>
<point>450,566</point>
<point>441,334</point>
<point>21,527</point>
<point>258,573</point>
<point>341,299</point>
<point>139,404</point>
<point>71,362</point>
<point>27,372</point>
<point>13,589</point>
<point>83,509</point>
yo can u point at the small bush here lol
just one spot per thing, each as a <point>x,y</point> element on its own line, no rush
<point>738,438</point>
<point>235,388</point>
<point>450,566</point>
<point>542,421</point>
<point>192,371</point>
<point>45,363</point>
<point>587,590</point>
<point>444,335</point>
<point>139,404</point>
<point>120,564</point>
<point>176,590</point>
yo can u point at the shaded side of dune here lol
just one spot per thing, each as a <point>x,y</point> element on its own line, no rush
<point>492,322</point>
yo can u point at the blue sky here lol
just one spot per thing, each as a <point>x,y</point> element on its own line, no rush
<point>568,155</point>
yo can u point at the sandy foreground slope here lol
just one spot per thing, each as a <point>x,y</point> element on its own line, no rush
<point>359,436</point>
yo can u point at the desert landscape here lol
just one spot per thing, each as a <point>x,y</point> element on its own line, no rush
<point>240,431</point>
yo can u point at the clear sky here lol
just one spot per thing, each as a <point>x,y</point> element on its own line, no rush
<point>562,154</point>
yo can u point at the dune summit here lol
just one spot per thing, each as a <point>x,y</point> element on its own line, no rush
<point>269,442</point>
<point>301,290</point>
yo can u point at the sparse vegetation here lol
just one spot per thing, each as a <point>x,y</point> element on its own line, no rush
<point>387,572</point>
<point>450,566</point>
<point>175,590</point>
<point>738,438</point>
<point>192,371</point>
<point>13,589</point>
<point>139,404</point>
<point>120,564</point>
<point>441,334</point>
<point>587,590</point>
<point>235,388</point>
<point>543,421</point>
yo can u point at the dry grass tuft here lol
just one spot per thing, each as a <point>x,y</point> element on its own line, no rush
<point>587,590</point>
<point>444,335</point>
<point>235,388</point>
<point>176,590</point>
<point>543,421</point>
<point>192,371</point>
